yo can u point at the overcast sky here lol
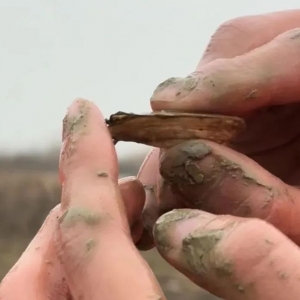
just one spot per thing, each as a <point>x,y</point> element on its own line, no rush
<point>111,52</point>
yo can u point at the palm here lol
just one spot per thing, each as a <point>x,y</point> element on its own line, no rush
<point>272,139</point>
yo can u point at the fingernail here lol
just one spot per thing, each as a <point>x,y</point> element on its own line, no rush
<point>174,88</point>
<point>76,118</point>
<point>161,229</point>
<point>178,165</point>
<point>171,82</point>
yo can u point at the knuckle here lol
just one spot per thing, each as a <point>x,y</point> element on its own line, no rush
<point>232,34</point>
<point>235,28</point>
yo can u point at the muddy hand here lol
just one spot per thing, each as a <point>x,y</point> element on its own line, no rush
<point>233,258</point>
<point>76,254</point>
<point>251,69</point>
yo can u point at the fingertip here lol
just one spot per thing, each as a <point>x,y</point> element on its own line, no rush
<point>168,94</point>
<point>172,228</point>
<point>133,195</point>
<point>193,169</point>
<point>163,230</point>
<point>228,256</point>
<point>87,143</point>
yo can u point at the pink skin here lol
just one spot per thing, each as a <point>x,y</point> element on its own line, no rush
<point>233,258</point>
<point>76,254</point>
<point>249,76</point>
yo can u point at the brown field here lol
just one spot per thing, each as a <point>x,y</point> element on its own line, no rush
<point>29,189</point>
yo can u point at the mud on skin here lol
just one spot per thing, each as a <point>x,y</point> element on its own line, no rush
<point>75,215</point>
<point>187,84</point>
<point>177,164</point>
<point>198,253</point>
<point>75,125</point>
<point>162,227</point>
<point>197,249</point>
<point>194,171</point>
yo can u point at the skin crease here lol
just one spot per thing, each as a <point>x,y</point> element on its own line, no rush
<point>229,251</point>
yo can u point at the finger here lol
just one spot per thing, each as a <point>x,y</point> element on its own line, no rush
<point>93,239</point>
<point>247,33</point>
<point>233,258</point>
<point>216,179</point>
<point>37,275</point>
<point>156,189</point>
<point>133,195</point>
<point>148,175</point>
<point>266,76</point>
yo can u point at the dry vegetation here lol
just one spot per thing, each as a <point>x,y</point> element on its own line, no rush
<point>29,188</point>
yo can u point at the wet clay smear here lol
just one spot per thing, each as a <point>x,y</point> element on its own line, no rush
<point>166,129</point>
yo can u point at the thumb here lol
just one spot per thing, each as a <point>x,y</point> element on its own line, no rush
<point>216,179</point>
<point>231,257</point>
<point>267,76</point>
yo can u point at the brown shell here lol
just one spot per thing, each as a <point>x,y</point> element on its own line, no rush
<point>165,129</point>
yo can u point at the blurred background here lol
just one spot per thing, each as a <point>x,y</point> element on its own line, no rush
<point>111,52</point>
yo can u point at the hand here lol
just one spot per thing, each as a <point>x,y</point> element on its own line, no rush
<point>85,249</point>
<point>251,69</point>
